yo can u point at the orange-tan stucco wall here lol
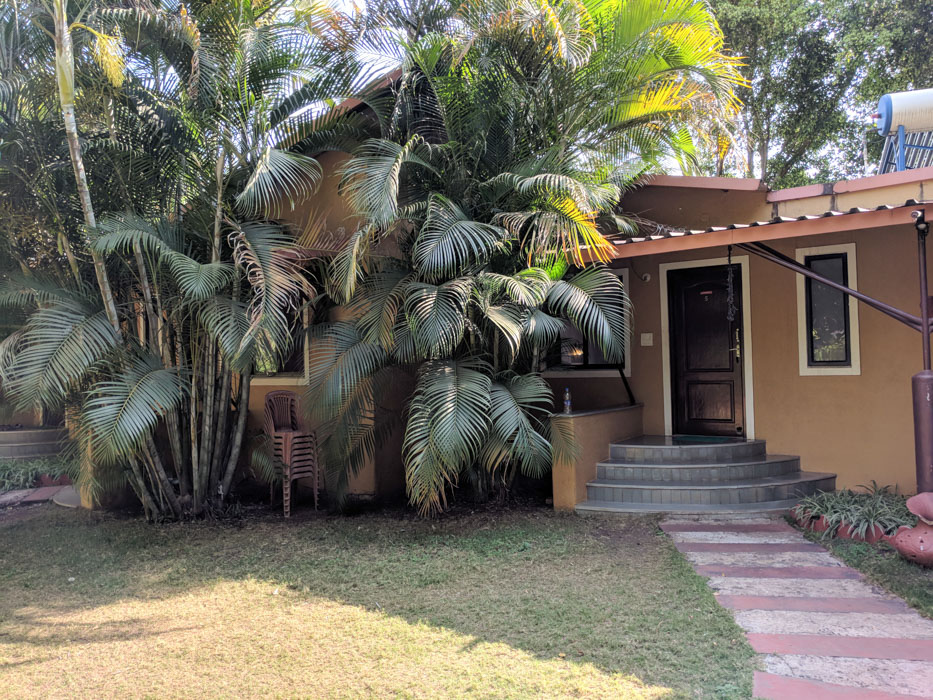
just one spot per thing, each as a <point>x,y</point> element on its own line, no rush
<point>381,477</point>
<point>860,427</point>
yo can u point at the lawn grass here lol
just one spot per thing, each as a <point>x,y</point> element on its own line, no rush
<point>888,569</point>
<point>515,604</point>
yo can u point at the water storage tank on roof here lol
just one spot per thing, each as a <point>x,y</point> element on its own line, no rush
<point>913,110</point>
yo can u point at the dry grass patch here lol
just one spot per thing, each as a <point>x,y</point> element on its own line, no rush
<point>527,604</point>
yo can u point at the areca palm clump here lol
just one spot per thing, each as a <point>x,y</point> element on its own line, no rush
<point>501,153</point>
<point>146,151</point>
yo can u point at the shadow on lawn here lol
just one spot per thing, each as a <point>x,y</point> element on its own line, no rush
<point>613,595</point>
<point>46,629</point>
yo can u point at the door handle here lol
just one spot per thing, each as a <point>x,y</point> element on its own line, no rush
<point>738,346</point>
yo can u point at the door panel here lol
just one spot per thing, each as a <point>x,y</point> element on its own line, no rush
<point>706,361</point>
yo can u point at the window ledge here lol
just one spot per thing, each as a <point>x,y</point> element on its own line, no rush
<point>600,411</point>
<point>283,379</point>
<point>581,373</point>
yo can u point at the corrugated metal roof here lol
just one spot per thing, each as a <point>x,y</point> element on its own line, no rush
<point>921,156</point>
<point>654,231</point>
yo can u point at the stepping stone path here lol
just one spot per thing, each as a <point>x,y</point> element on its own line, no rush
<point>27,497</point>
<point>824,632</point>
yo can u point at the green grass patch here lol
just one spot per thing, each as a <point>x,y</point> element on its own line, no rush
<point>888,569</point>
<point>519,604</point>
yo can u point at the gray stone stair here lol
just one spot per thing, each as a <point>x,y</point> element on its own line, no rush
<point>698,475</point>
<point>32,443</point>
<point>747,509</point>
<point>767,465</point>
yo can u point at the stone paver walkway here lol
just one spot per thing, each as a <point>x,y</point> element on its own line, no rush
<point>28,496</point>
<point>824,632</point>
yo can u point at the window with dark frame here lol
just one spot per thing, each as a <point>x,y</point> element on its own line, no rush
<point>828,330</point>
<point>573,350</point>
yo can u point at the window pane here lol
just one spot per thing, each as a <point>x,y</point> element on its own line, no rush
<point>828,312</point>
<point>594,356</point>
<point>571,346</point>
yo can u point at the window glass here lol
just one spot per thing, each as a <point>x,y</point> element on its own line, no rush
<point>577,351</point>
<point>827,312</point>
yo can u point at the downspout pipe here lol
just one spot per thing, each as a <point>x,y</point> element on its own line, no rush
<point>922,382</point>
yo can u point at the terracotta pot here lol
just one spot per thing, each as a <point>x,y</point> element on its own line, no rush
<point>921,505</point>
<point>820,524</point>
<point>873,535</point>
<point>802,520</point>
<point>46,480</point>
<point>845,532</point>
<point>914,543</point>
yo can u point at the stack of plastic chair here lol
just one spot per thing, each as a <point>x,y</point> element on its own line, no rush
<point>294,447</point>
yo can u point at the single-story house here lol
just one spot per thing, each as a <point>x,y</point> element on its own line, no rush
<point>753,382</point>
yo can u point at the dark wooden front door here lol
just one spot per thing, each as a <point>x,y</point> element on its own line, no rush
<point>706,351</point>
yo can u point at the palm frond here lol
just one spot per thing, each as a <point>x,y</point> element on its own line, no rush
<point>436,315</point>
<point>59,345</point>
<point>447,427</point>
<point>449,240</point>
<point>518,406</point>
<point>122,412</point>
<point>595,302</point>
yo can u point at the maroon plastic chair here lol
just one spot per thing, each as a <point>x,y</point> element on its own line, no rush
<point>293,446</point>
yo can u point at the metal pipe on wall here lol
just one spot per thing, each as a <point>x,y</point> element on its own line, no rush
<point>922,383</point>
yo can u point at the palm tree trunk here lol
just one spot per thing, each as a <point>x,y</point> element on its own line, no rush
<point>221,429</point>
<point>182,468</point>
<point>139,486</point>
<point>236,446</point>
<point>65,74</point>
<point>193,432</point>
<point>219,203</point>
<point>151,320</point>
<point>65,245</point>
<point>207,418</point>
<point>164,484</point>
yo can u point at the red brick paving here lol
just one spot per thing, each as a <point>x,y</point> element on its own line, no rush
<point>815,572</point>
<point>773,687</point>
<point>864,605</point>
<point>856,647</point>
<point>43,494</point>
<point>755,548</point>
<point>727,527</point>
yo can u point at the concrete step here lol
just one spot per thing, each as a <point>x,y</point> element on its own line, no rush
<point>732,509</point>
<point>661,449</point>
<point>735,470</point>
<point>662,493</point>
<point>32,435</point>
<point>30,450</point>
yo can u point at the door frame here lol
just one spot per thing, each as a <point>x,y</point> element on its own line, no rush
<point>747,371</point>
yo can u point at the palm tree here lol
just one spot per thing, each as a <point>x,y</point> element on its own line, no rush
<point>503,150</point>
<point>183,161</point>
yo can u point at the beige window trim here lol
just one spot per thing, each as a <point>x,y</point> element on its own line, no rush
<point>855,366</point>
<point>625,274</point>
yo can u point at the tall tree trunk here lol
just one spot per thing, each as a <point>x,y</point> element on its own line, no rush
<point>65,245</point>
<point>65,74</point>
<point>219,202</point>
<point>151,320</point>
<point>193,433</point>
<point>181,465</point>
<point>164,484</point>
<point>236,446</point>
<point>139,485</point>
<point>763,157</point>
<point>221,428</point>
<point>207,417</point>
